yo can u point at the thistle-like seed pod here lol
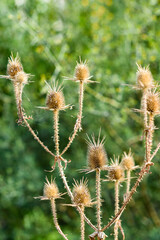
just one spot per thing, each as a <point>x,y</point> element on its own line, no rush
<point>115,171</point>
<point>50,190</point>
<point>81,72</point>
<point>97,157</point>
<point>153,103</point>
<point>14,66</point>
<point>127,161</point>
<point>144,78</point>
<point>55,100</point>
<point>21,77</point>
<point>81,194</point>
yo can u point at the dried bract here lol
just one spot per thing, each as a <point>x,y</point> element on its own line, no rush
<point>81,194</point>
<point>97,157</point>
<point>153,103</point>
<point>14,66</point>
<point>144,78</point>
<point>127,161</point>
<point>115,171</point>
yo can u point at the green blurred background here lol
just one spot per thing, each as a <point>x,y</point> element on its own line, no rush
<point>49,36</point>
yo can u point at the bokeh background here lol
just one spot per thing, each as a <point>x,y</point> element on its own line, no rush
<point>50,36</point>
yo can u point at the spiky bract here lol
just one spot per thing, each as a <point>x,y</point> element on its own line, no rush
<point>81,194</point>
<point>55,99</point>
<point>97,157</point>
<point>127,161</point>
<point>50,190</point>
<point>153,103</point>
<point>144,78</point>
<point>14,66</point>
<point>21,77</point>
<point>115,171</point>
<point>81,71</point>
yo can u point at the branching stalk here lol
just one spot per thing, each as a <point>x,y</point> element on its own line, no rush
<point>128,181</point>
<point>56,131</point>
<point>77,125</point>
<point>116,209</point>
<point>71,195</point>
<point>82,223</point>
<point>98,193</point>
<point>53,207</point>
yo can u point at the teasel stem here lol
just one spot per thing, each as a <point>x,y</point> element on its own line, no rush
<point>144,107</point>
<point>116,209</point>
<point>150,136</point>
<point>128,181</point>
<point>82,223</point>
<point>98,193</point>
<point>53,207</point>
<point>56,130</point>
<point>145,169</point>
<point>18,87</point>
<point>77,125</point>
<point>64,179</point>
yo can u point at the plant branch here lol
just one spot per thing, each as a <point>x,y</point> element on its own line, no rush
<point>82,223</point>
<point>56,131</point>
<point>77,125</point>
<point>98,193</point>
<point>53,207</point>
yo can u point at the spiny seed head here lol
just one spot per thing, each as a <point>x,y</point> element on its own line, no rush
<point>21,77</point>
<point>97,156</point>
<point>153,103</point>
<point>115,171</point>
<point>50,190</point>
<point>14,66</point>
<point>81,193</point>
<point>81,71</point>
<point>55,98</point>
<point>144,78</point>
<point>127,161</point>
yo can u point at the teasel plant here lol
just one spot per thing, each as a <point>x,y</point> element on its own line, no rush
<point>118,170</point>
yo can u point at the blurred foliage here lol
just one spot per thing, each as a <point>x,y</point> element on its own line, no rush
<point>50,35</point>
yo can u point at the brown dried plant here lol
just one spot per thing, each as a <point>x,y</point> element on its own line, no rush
<point>117,171</point>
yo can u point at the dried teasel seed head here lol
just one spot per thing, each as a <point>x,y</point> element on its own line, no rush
<point>144,78</point>
<point>127,161</point>
<point>81,193</point>
<point>97,157</point>
<point>50,190</point>
<point>21,77</point>
<point>82,72</point>
<point>14,66</point>
<point>55,98</point>
<point>153,103</point>
<point>115,171</point>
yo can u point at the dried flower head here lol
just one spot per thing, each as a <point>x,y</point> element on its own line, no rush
<point>14,66</point>
<point>81,194</point>
<point>153,103</point>
<point>115,171</point>
<point>82,72</point>
<point>144,78</point>
<point>97,157</point>
<point>50,190</point>
<point>127,161</point>
<point>21,77</point>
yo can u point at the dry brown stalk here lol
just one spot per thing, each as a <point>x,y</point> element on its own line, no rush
<point>56,131</point>
<point>53,207</point>
<point>98,193</point>
<point>82,223</point>
<point>79,118</point>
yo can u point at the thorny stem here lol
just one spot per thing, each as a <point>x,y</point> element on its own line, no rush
<point>144,107</point>
<point>77,125</point>
<point>36,137</point>
<point>56,131</point>
<point>98,193</point>
<point>150,136</point>
<point>71,195</point>
<point>128,181</point>
<point>82,223</point>
<point>18,87</point>
<point>53,207</point>
<point>145,169</point>
<point>116,209</point>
